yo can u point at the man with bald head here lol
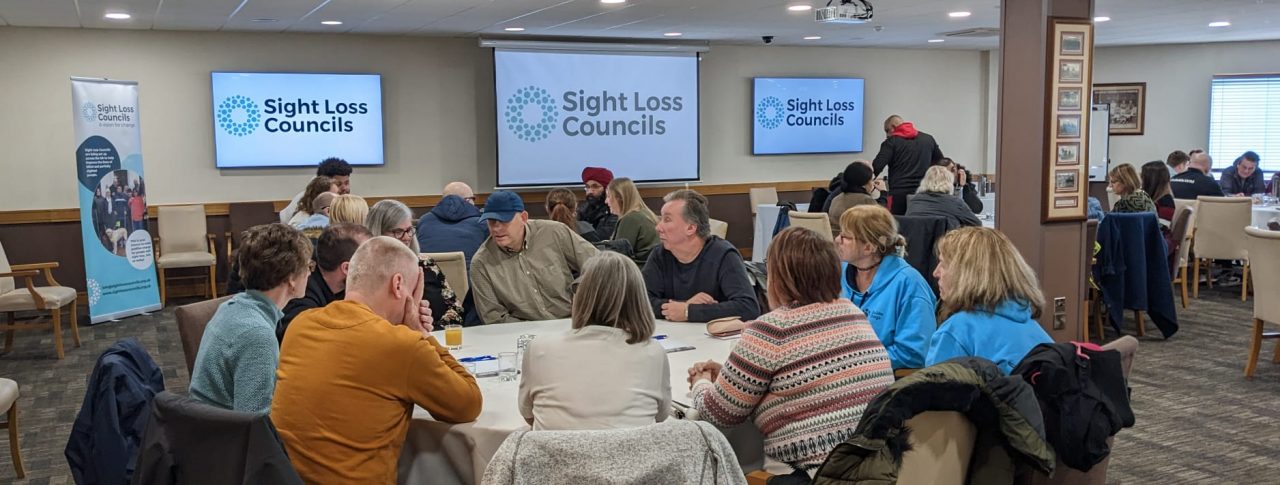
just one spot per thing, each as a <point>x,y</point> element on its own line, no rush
<point>1195,181</point>
<point>453,224</point>
<point>351,373</point>
<point>908,153</point>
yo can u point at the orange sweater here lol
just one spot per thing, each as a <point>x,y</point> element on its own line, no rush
<point>345,391</point>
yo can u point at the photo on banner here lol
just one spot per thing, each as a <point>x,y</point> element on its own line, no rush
<point>119,259</point>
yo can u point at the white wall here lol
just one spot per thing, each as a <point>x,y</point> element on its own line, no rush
<point>438,108</point>
<point>1178,78</point>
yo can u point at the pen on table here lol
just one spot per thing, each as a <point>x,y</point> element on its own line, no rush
<point>477,358</point>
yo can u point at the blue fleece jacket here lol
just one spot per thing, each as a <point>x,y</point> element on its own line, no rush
<point>452,225</point>
<point>900,307</point>
<point>1003,336</point>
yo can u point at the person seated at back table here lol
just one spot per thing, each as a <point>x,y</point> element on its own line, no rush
<point>352,372</point>
<point>856,186</point>
<point>453,224</point>
<point>1177,162</point>
<point>805,371</point>
<point>963,181</point>
<point>1155,182</point>
<point>896,298</point>
<point>694,276</point>
<point>1243,178</point>
<point>1195,181</point>
<point>607,372</point>
<point>337,169</point>
<point>593,209</point>
<point>934,198</point>
<point>525,269</point>
<point>562,207</point>
<point>636,223</point>
<point>392,218</point>
<point>235,367</point>
<point>312,226</point>
<point>1125,183</point>
<point>328,282</point>
<point>348,208</point>
<point>318,185</point>
<point>990,300</point>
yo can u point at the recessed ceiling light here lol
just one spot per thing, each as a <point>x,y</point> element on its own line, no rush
<point>263,21</point>
<point>613,1</point>
<point>332,22</point>
<point>1221,23</point>
<point>118,16</point>
<point>1101,19</point>
<point>514,29</point>
<point>813,37</point>
<point>799,8</point>
<point>935,41</point>
<point>961,14</point>
<point>673,34</point>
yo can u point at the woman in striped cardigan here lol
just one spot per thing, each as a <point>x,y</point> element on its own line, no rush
<point>804,372</point>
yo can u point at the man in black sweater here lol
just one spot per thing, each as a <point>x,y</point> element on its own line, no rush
<point>694,276</point>
<point>1195,181</point>
<point>1243,178</point>
<point>328,281</point>
<point>908,153</point>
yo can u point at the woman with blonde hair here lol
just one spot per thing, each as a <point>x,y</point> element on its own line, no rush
<point>895,297</point>
<point>990,299</point>
<point>607,372</point>
<point>637,224</point>
<point>935,198</point>
<point>1124,182</point>
<point>394,219</point>
<point>793,365</point>
<point>318,185</point>
<point>562,207</point>
<point>348,208</point>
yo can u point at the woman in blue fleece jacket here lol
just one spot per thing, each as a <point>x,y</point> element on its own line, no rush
<point>895,297</point>
<point>990,299</point>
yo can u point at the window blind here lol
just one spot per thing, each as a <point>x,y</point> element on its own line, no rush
<point>1244,115</point>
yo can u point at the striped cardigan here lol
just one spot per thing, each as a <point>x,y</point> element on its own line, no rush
<point>804,376</point>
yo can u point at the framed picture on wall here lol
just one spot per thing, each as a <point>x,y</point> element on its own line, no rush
<point>1069,99</point>
<point>1068,153</point>
<point>1068,126</point>
<point>1066,202</point>
<point>1072,43</point>
<point>1065,181</point>
<point>1071,71</point>
<point>1128,102</point>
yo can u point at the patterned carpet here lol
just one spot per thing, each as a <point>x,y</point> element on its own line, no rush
<point>1198,419</point>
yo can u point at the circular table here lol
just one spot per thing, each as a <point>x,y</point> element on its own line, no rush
<point>442,453</point>
<point>1264,213</point>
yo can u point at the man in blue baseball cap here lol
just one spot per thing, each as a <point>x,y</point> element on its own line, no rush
<point>524,270</point>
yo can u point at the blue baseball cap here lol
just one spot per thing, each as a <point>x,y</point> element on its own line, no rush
<point>502,206</point>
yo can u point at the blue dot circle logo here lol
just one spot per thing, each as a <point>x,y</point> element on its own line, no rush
<point>531,126</point>
<point>769,113</point>
<point>88,111</point>
<point>227,115</point>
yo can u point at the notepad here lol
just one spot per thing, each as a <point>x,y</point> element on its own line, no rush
<point>671,345</point>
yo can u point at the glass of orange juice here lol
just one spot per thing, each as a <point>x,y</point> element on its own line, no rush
<point>453,336</point>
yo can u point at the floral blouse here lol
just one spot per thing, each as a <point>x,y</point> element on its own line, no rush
<point>445,307</point>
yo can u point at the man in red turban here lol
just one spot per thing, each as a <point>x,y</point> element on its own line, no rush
<point>594,210</point>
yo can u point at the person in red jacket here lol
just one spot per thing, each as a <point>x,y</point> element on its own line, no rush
<point>137,211</point>
<point>908,153</point>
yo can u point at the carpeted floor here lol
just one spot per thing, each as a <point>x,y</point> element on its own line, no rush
<point>1198,419</point>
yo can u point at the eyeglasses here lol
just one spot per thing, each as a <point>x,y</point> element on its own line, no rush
<point>400,233</point>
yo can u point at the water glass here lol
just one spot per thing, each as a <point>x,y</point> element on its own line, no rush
<point>522,345</point>
<point>507,366</point>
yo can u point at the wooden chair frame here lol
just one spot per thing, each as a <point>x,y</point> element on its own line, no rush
<point>213,269</point>
<point>29,272</point>
<point>15,451</point>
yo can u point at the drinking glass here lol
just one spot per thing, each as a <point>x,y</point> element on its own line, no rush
<point>507,366</point>
<point>453,337</point>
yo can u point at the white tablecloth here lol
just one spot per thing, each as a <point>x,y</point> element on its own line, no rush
<point>1262,214</point>
<point>440,453</point>
<point>766,218</point>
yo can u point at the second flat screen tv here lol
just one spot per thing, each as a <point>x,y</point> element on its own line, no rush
<point>806,115</point>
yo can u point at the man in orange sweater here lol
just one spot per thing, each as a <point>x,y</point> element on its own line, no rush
<point>349,377</point>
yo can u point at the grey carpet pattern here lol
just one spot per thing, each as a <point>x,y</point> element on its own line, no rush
<point>1198,419</point>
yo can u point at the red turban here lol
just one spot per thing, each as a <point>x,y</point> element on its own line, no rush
<point>601,175</point>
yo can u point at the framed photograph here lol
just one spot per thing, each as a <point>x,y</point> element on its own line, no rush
<point>1128,103</point>
<point>1069,99</point>
<point>1070,71</point>
<point>1072,44</point>
<point>1067,202</point>
<point>1068,153</point>
<point>1068,126</point>
<point>1065,181</point>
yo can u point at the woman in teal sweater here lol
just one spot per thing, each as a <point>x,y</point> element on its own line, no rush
<point>636,223</point>
<point>235,367</point>
<point>895,297</point>
<point>990,300</point>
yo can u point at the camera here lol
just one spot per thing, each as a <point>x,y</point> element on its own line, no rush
<point>768,39</point>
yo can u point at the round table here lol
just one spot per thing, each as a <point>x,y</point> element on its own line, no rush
<point>442,453</point>
<point>1264,213</point>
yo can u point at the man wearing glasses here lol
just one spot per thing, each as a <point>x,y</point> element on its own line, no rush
<point>453,224</point>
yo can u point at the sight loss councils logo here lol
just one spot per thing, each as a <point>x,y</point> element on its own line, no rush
<point>535,101</point>
<point>770,113</point>
<point>88,111</point>
<point>227,115</point>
